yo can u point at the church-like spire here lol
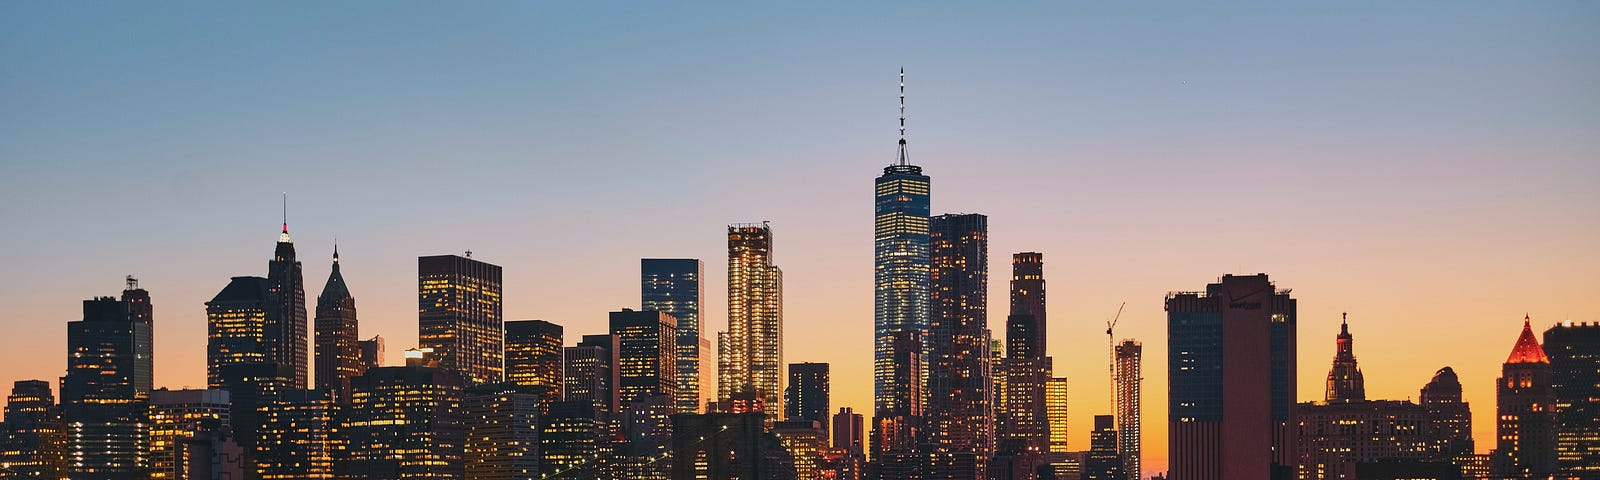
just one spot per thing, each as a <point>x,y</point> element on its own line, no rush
<point>1527,349</point>
<point>1345,383</point>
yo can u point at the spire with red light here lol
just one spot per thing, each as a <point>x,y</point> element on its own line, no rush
<point>1527,349</point>
<point>284,237</point>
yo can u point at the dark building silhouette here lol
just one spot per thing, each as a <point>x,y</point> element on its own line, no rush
<point>1344,379</point>
<point>848,430</point>
<point>237,321</point>
<point>646,426</point>
<point>1102,461</point>
<point>727,446</point>
<point>502,431</point>
<point>959,409</point>
<point>808,394</point>
<point>674,286</point>
<point>590,372</point>
<point>1449,429</point>
<point>338,340</point>
<point>1021,411</point>
<point>33,440</point>
<point>900,305</point>
<point>1574,350</point>
<point>533,358</point>
<point>1231,381</point>
<point>895,432</point>
<point>1025,336</point>
<point>405,422</point>
<point>211,454</point>
<point>459,303</point>
<point>570,437</point>
<point>103,395</point>
<point>1526,419</point>
<point>284,338</point>
<point>299,437</point>
<point>371,353</point>
<point>250,387</point>
<point>647,357</point>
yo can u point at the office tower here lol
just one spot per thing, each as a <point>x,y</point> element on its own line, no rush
<point>104,391</point>
<point>1055,400</point>
<point>1449,427</point>
<point>900,279</point>
<point>750,353</point>
<point>211,454</point>
<point>805,441</point>
<point>847,431</point>
<point>895,431</point>
<point>591,372</point>
<point>1344,379</point>
<point>1102,462</point>
<point>237,320</point>
<point>1526,419</point>
<point>568,440</point>
<point>958,398</point>
<point>672,285</point>
<point>1022,374</point>
<point>459,301</point>
<point>647,357</point>
<point>1230,380</point>
<point>371,353</point>
<point>647,429</point>
<point>405,423</point>
<point>502,431</point>
<point>284,338</point>
<point>1574,350</point>
<point>533,358</point>
<point>300,437</point>
<point>727,446</point>
<point>1128,379</point>
<point>33,439</point>
<point>1338,439</point>
<point>338,348</point>
<point>807,395</point>
<point>175,416</point>
<point>1025,336</point>
<point>251,386</point>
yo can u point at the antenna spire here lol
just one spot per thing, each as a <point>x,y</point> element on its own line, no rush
<point>336,249</point>
<point>903,160</point>
<point>284,237</point>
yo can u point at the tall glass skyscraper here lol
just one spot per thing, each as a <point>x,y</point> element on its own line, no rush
<point>959,413</point>
<point>750,353</point>
<point>458,300</point>
<point>672,285</point>
<point>900,275</point>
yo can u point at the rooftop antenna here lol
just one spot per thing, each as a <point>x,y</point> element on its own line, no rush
<point>133,283</point>
<point>285,212</point>
<point>903,160</point>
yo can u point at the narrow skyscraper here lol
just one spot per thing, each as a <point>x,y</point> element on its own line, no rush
<point>285,335</point>
<point>1101,462</point>
<point>958,400</point>
<point>808,394</point>
<point>1574,350</point>
<point>590,373</point>
<point>673,285</point>
<point>107,383</point>
<point>533,358</point>
<point>1230,374</point>
<point>900,280</point>
<point>1055,399</point>
<point>1022,416</point>
<point>459,303</point>
<point>1526,403</point>
<point>750,353</point>
<point>237,321</point>
<point>1128,382</point>
<point>338,347</point>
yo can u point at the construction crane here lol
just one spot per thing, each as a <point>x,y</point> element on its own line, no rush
<point>1111,355</point>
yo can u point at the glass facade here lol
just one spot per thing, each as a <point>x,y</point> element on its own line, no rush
<point>900,279</point>
<point>750,353</point>
<point>533,358</point>
<point>673,285</point>
<point>960,414</point>
<point>458,304</point>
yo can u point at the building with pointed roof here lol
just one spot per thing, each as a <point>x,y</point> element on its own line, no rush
<point>338,349</point>
<point>1344,379</point>
<point>1525,402</point>
<point>285,335</point>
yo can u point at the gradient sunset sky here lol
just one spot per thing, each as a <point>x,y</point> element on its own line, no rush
<point>1432,169</point>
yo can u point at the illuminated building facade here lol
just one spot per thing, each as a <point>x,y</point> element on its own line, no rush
<point>1526,406</point>
<point>405,423</point>
<point>673,285</point>
<point>900,275</point>
<point>1231,389</point>
<point>1336,438</point>
<point>338,343</point>
<point>960,415</point>
<point>33,440</point>
<point>502,431</point>
<point>284,339</point>
<point>590,372</point>
<point>807,394</point>
<point>750,353</point>
<point>1055,401</point>
<point>459,303</point>
<point>1102,461</point>
<point>251,386</point>
<point>236,326</point>
<point>533,358</point>
<point>175,417</point>
<point>104,391</point>
<point>806,441</point>
<point>569,436</point>
<point>727,446</point>
<point>1021,376</point>
<point>299,437</point>
<point>647,357</point>
<point>1574,350</point>
<point>1129,354</point>
<point>1449,417</point>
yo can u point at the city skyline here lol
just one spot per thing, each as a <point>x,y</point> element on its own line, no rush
<point>1439,211</point>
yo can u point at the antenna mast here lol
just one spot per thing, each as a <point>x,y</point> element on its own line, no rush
<point>903,160</point>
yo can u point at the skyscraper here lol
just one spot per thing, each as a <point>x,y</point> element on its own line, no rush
<point>750,353</point>
<point>33,440</point>
<point>502,431</point>
<point>533,358</point>
<point>1102,462</point>
<point>175,417</point>
<point>284,338</point>
<point>1128,354</point>
<point>568,440</point>
<point>958,400</point>
<point>647,357</point>
<point>900,279</point>
<point>808,394</point>
<point>459,303</point>
<point>672,285</point>
<point>1023,373</point>
<point>1525,402</point>
<point>1344,379</point>
<point>847,431</point>
<point>1574,350</point>
<point>300,437</point>
<point>1055,400</point>
<point>1231,381</point>
<point>237,320</point>
<point>338,347</point>
<point>590,373</point>
<point>1449,418</point>
<point>405,422</point>
<point>104,392</point>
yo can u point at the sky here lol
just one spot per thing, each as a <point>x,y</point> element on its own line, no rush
<point>1429,168</point>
